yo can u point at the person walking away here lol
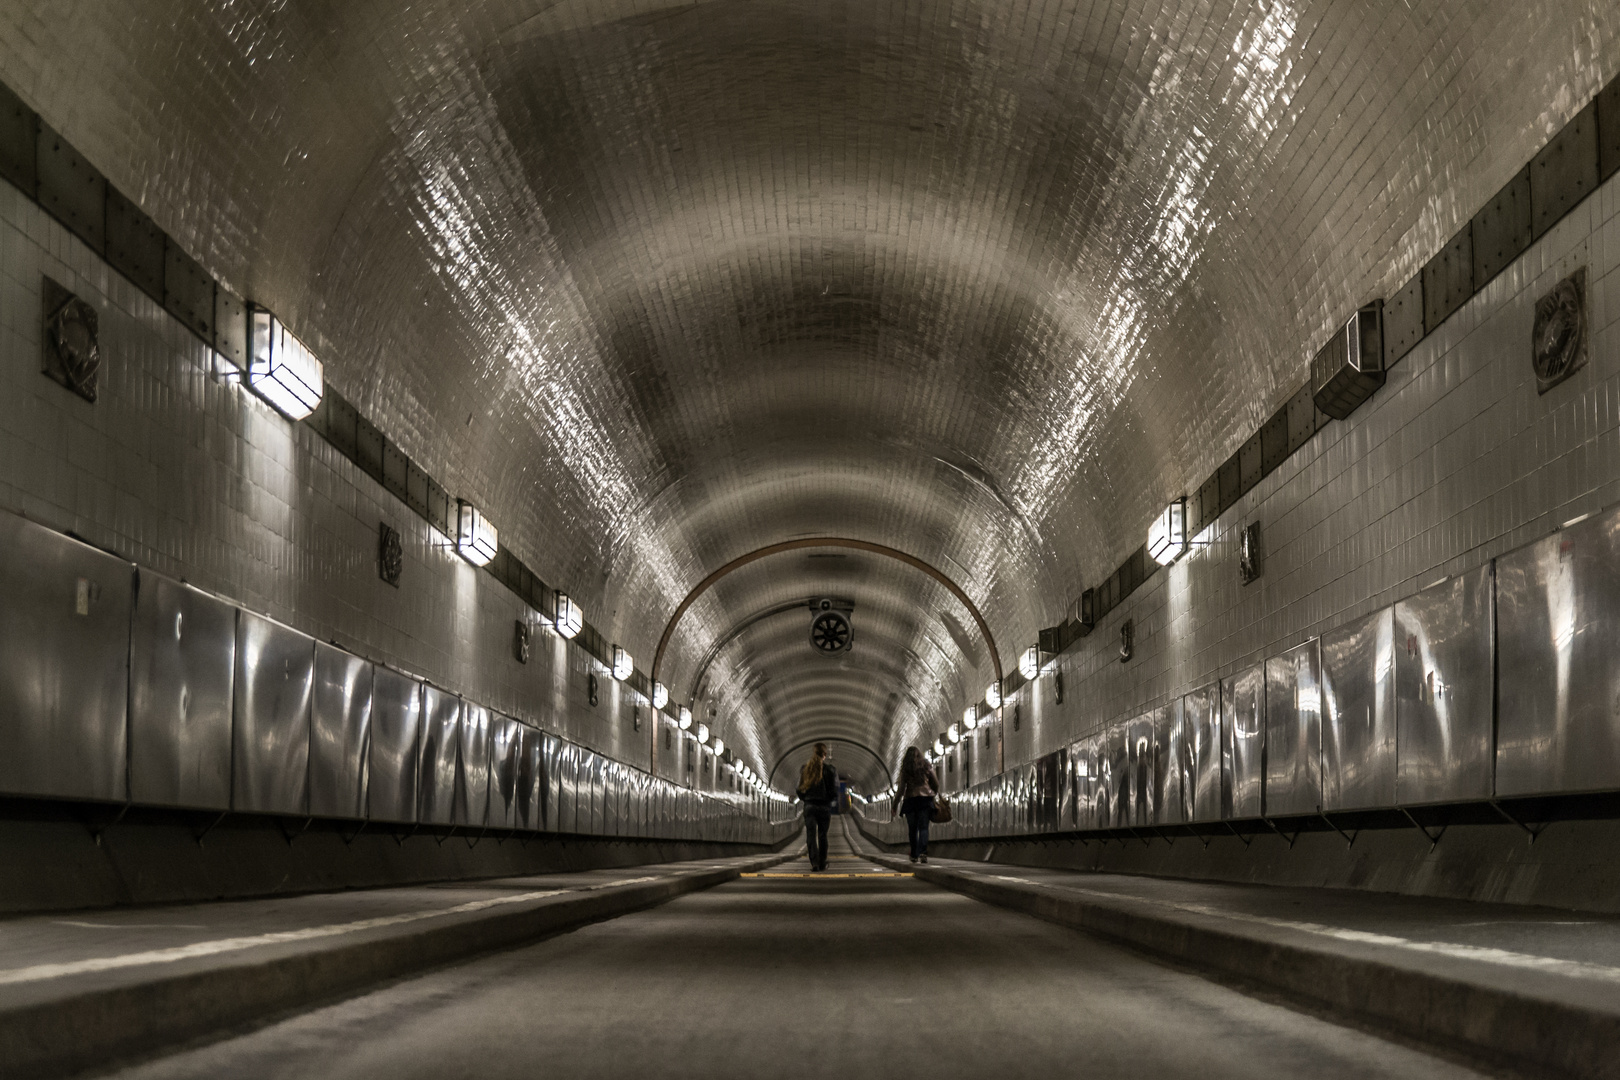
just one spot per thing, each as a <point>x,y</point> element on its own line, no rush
<point>818,790</point>
<point>914,795</point>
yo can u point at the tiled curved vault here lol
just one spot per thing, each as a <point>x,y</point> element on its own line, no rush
<point>659,283</point>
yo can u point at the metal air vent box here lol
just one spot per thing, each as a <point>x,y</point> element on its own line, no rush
<point>1351,365</point>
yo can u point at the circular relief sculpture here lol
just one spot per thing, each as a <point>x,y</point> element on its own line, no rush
<point>1559,339</point>
<point>830,632</point>
<point>72,338</point>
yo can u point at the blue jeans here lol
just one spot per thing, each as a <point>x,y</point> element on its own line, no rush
<point>816,820</point>
<point>917,810</point>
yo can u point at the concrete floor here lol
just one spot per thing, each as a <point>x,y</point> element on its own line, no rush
<point>859,972</point>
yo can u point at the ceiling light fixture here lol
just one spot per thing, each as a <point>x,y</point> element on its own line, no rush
<point>281,368</point>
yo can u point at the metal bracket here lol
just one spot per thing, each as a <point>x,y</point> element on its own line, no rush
<point>1168,838</point>
<point>1282,834</point>
<point>347,840</point>
<point>1349,838</point>
<point>210,828</point>
<point>291,836</point>
<point>1533,832</point>
<point>400,838</point>
<point>96,831</point>
<point>474,841</point>
<point>1433,839</point>
<point>446,836</point>
<point>1233,829</point>
<point>1139,836</point>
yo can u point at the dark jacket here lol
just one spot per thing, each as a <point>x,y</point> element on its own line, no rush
<point>825,793</point>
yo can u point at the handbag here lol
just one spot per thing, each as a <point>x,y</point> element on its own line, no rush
<point>942,810</point>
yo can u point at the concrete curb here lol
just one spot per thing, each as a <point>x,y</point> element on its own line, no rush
<point>1500,1022</point>
<point>89,1030</point>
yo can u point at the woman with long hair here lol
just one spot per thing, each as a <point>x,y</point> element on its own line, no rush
<point>914,795</point>
<point>818,790</point>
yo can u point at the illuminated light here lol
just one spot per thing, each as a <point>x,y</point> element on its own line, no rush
<point>719,746</point>
<point>281,369</point>
<point>703,733</point>
<point>684,717</point>
<point>660,696</point>
<point>624,665</point>
<point>1167,538</point>
<point>970,717</point>
<point>1030,663</point>
<point>476,539</point>
<point>954,734</point>
<point>570,620</point>
<point>992,695</point>
<point>938,747</point>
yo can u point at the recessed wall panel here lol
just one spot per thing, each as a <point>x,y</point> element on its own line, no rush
<point>1443,691</point>
<point>181,693</point>
<point>275,675</point>
<point>1558,691</point>
<point>1119,773</point>
<point>339,733</point>
<point>396,727</point>
<point>505,757</point>
<point>1170,766</point>
<point>64,670</point>
<point>1358,714</point>
<point>1243,708</point>
<point>472,765</point>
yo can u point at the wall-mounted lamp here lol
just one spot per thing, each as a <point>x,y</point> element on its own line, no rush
<point>570,620</point>
<point>624,665</point>
<point>938,747</point>
<point>719,746</point>
<point>954,734</point>
<point>1029,665</point>
<point>281,369</point>
<point>660,696</point>
<point>684,717</point>
<point>702,733</point>
<point>970,717</point>
<point>1167,537</point>
<point>476,539</point>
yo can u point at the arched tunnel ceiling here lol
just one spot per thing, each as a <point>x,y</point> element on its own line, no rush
<point>660,283</point>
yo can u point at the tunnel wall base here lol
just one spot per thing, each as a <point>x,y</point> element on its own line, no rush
<point>55,861</point>
<point>1572,864</point>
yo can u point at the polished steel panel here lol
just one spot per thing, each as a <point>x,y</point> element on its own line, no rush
<point>1172,790</point>
<point>1201,730</point>
<point>1294,731</point>
<point>551,782</point>
<point>396,731</point>
<point>1358,713</point>
<point>1140,756</point>
<point>612,790</point>
<point>1243,734</point>
<point>1119,774</point>
<point>1558,689</point>
<point>568,787</point>
<point>441,732</point>
<point>505,771</point>
<point>64,668</point>
<point>339,733</point>
<point>182,672</point>
<point>590,792</point>
<point>275,674</point>
<point>1444,690</point>
<point>472,765</point>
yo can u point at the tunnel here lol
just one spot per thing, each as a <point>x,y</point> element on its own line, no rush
<point>706,538</point>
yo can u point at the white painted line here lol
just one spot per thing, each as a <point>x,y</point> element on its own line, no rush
<point>131,926</point>
<point>41,972</point>
<point>1578,969</point>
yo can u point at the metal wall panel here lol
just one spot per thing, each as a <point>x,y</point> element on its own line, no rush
<point>71,189</point>
<point>19,142</point>
<point>1444,686</point>
<point>441,732</point>
<point>1403,320</point>
<point>182,674</point>
<point>1201,731</point>
<point>188,291</point>
<point>1139,755</point>
<point>1358,713</point>
<point>1119,773</point>
<point>590,794</point>
<point>1294,731</point>
<point>551,782</point>
<point>1243,713</point>
<point>339,733</point>
<point>1171,788</point>
<point>64,671</point>
<point>396,732</point>
<point>134,244</point>
<point>567,787</point>
<point>472,765</point>
<point>1501,229</point>
<point>1565,171</point>
<point>1448,279</point>
<point>505,770</point>
<point>275,676</point>
<point>1558,702</point>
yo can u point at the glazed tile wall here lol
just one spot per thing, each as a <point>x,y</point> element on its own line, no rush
<point>1455,461</point>
<point>198,479</point>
